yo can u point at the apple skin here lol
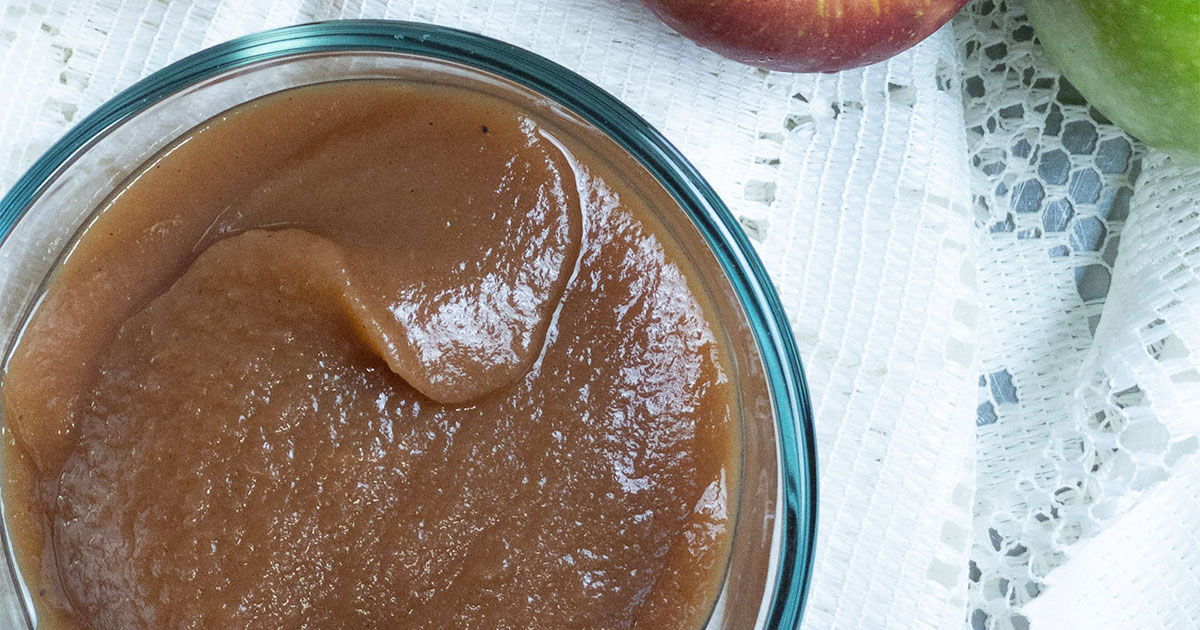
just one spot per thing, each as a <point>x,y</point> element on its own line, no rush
<point>806,35</point>
<point>1137,61</point>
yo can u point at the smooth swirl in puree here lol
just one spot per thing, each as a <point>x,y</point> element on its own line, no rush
<point>371,355</point>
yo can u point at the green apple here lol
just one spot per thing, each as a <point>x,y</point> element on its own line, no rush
<point>1137,61</point>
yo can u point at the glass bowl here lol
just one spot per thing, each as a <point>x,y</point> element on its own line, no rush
<point>767,573</point>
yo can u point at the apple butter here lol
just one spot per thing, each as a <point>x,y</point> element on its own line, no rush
<point>374,354</point>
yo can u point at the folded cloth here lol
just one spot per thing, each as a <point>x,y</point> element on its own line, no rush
<point>1142,571</point>
<point>1088,340</point>
<point>1133,450</point>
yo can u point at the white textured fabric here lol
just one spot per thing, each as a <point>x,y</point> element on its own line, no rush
<point>1132,449</point>
<point>868,238</point>
<point>1088,357</point>
<point>943,266</point>
<point>1142,572</point>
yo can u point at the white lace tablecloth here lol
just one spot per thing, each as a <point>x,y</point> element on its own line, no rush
<point>1007,409</point>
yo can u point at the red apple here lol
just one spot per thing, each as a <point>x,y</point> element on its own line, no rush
<point>806,35</point>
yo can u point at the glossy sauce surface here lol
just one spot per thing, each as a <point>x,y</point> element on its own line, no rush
<point>373,355</point>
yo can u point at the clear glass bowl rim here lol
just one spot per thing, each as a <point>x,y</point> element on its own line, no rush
<point>769,324</point>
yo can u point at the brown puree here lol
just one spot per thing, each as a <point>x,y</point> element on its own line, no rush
<point>373,355</point>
